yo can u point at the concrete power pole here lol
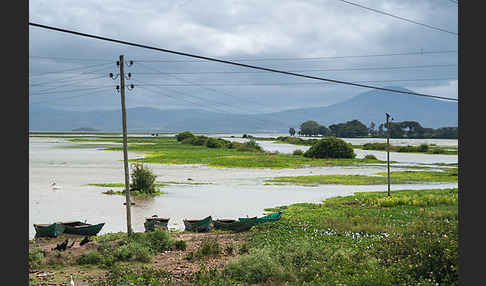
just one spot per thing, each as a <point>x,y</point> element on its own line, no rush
<point>388,149</point>
<point>125,152</point>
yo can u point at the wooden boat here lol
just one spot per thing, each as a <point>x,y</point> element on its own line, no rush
<point>267,218</point>
<point>49,230</point>
<point>235,225</point>
<point>151,223</point>
<point>81,228</point>
<point>198,225</point>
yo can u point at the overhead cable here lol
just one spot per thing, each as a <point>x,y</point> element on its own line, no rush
<point>233,63</point>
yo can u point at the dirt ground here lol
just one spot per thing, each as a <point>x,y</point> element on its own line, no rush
<point>172,261</point>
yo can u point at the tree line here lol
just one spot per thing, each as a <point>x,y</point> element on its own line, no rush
<point>356,129</point>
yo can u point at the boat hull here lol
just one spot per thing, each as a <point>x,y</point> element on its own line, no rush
<point>198,225</point>
<point>153,223</point>
<point>48,230</point>
<point>83,229</point>
<point>234,225</point>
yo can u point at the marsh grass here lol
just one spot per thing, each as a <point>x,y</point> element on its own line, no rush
<point>398,177</point>
<point>167,150</point>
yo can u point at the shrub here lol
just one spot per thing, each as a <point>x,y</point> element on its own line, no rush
<point>184,135</point>
<point>208,248</point>
<point>158,240</point>
<point>427,250</point>
<point>90,257</point>
<point>330,147</point>
<point>375,146</point>
<point>180,245</point>
<point>298,152</point>
<point>214,143</point>
<point>143,179</point>
<point>36,256</point>
<point>188,140</point>
<point>200,140</point>
<point>250,146</point>
<point>423,148</point>
<point>370,156</point>
<point>256,267</point>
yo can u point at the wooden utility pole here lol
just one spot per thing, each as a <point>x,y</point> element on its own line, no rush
<point>388,149</point>
<point>125,152</point>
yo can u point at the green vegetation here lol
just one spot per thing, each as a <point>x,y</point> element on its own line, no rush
<point>398,177</point>
<point>422,148</point>
<point>36,257</point>
<point>167,150</point>
<point>410,238</point>
<point>330,147</point>
<point>143,179</point>
<point>209,247</point>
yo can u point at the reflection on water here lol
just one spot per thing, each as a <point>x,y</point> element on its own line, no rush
<point>227,192</point>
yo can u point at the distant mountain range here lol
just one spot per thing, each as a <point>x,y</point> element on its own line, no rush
<point>366,107</point>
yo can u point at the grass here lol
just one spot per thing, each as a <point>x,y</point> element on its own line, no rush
<point>398,177</point>
<point>422,148</point>
<point>410,238</point>
<point>167,150</point>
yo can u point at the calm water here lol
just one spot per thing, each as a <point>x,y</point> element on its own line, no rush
<point>226,192</point>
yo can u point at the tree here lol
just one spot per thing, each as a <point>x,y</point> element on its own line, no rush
<point>350,129</point>
<point>371,129</point>
<point>323,130</point>
<point>309,128</point>
<point>292,131</point>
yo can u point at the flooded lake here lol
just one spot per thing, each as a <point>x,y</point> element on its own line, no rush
<point>220,192</point>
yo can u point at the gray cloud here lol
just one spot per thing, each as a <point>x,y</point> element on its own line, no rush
<point>239,30</point>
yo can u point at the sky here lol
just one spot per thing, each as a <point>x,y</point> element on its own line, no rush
<point>325,38</point>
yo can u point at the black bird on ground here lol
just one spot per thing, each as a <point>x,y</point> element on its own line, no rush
<point>85,240</point>
<point>61,246</point>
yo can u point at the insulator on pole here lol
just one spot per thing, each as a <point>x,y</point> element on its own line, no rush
<point>111,75</point>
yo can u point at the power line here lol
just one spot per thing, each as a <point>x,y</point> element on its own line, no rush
<point>311,70</point>
<point>230,62</point>
<point>72,90</point>
<point>293,83</point>
<point>70,83</point>
<point>398,17</point>
<point>69,59</point>
<point>64,98</point>
<point>206,88</point>
<point>311,58</point>
<point>71,69</point>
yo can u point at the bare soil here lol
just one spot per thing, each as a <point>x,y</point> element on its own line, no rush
<point>62,264</point>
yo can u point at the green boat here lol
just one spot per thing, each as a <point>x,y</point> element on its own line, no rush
<point>81,228</point>
<point>267,218</point>
<point>49,230</point>
<point>198,225</point>
<point>235,225</point>
<point>154,222</point>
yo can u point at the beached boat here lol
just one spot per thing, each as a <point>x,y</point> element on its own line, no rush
<point>198,225</point>
<point>81,228</point>
<point>154,222</point>
<point>49,230</point>
<point>235,225</point>
<point>267,218</point>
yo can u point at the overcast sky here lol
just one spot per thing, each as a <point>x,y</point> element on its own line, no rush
<point>325,38</point>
